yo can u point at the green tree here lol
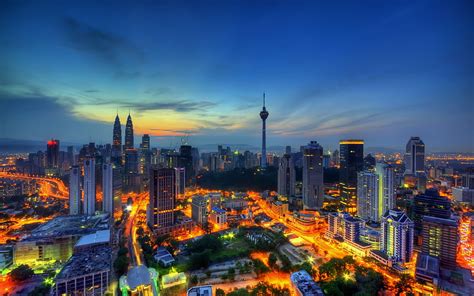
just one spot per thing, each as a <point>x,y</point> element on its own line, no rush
<point>194,280</point>
<point>121,265</point>
<point>21,273</point>
<point>405,285</point>
<point>272,259</point>
<point>259,267</point>
<point>220,292</point>
<point>231,274</point>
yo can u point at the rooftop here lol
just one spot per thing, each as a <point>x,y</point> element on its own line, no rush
<point>218,210</point>
<point>137,276</point>
<point>83,263</point>
<point>200,291</point>
<point>305,283</point>
<point>99,237</point>
<point>70,225</point>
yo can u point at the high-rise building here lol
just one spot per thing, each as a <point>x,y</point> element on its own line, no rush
<point>351,162</point>
<point>286,176</point>
<point>313,185</point>
<point>369,162</point>
<point>129,133</point>
<point>107,189</point>
<point>70,155</point>
<point>199,209</point>
<point>52,154</point>
<point>75,191</point>
<point>264,115</point>
<point>186,162</point>
<point>386,188</point>
<point>117,135</point>
<point>429,204</point>
<point>145,156</point>
<point>415,157</point>
<point>441,239</point>
<point>396,236</point>
<point>368,196</point>
<point>145,142</point>
<point>342,225</point>
<point>163,194</point>
<point>89,186</point>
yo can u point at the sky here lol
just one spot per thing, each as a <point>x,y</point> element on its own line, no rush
<point>382,71</point>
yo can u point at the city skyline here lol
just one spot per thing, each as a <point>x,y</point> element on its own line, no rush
<point>200,70</point>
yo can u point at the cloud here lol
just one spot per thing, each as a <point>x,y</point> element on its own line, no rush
<point>105,46</point>
<point>178,106</point>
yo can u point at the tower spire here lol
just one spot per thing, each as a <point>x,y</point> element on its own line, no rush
<point>263,99</point>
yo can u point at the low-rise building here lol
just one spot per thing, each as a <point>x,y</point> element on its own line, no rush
<point>164,257</point>
<point>304,285</point>
<point>200,291</point>
<point>218,216</point>
<point>85,273</point>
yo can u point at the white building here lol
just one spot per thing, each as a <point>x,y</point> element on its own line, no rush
<point>75,191</point>
<point>368,196</point>
<point>396,236</point>
<point>89,186</point>
<point>313,186</point>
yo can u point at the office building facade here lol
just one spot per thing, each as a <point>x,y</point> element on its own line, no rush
<point>351,160</point>
<point>396,236</point>
<point>286,176</point>
<point>75,190</point>
<point>89,186</point>
<point>313,184</point>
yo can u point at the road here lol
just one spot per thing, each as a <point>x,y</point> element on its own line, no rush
<point>52,187</point>
<point>136,255</point>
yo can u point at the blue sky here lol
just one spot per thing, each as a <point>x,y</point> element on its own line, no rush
<point>378,70</point>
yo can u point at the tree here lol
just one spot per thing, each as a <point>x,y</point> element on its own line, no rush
<point>220,292</point>
<point>194,280</point>
<point>405,284</point>
<point>199,260</point>
<point>369,282</point>
<point>259,267</point>
<point>21,273</point>
<point>121,265</point>
<point>272,259</point>
<point>231,274</point>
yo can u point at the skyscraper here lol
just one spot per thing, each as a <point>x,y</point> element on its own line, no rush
<point>145,142</point>
<point>107,189</point>
<point>75,191</point>
<point>375,192</point>
<point>386,190</point>
<point>129,133</point>
<point>415,157</point>
<point>396,236</point>
<point>89,186</point>
<point>429,204</point>
<point>368,196</point>
<point>351,162</point>
<point>313,186</point>
<point>264,115</point>
<point>186,162</point>
<point>163,194</point>
<point>117,135</point>
<point>52,154</point>
<point>286,176</point>
<point>441,239</point>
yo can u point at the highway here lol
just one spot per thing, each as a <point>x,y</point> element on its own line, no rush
<point>48,186</point>
<point>136,256</point>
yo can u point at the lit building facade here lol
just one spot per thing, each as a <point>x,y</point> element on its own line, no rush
<point>163,194</point>
<point>441,240</point>
<point>351,160</point>
<point>129,141</point>
<point>199,209</point>
<point>396,236</point>
<point>107,189</point>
